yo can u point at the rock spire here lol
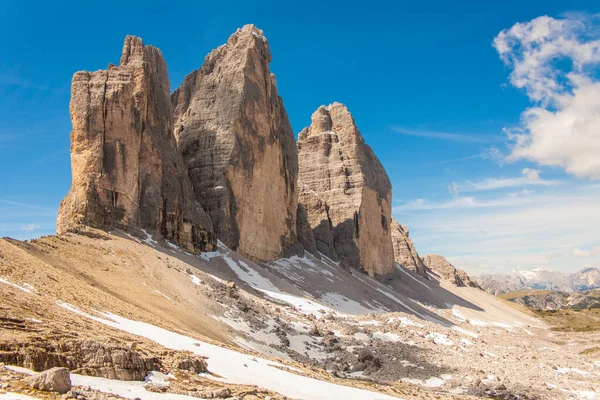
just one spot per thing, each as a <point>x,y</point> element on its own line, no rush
<point>126,171</point>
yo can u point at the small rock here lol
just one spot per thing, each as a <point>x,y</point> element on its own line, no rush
<point>216,394</point>
<point>53,380</point>
<point>314,331</point>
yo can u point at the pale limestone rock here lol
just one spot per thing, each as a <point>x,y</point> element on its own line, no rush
<point>405,253</point>
<point>53,380</point>
<point>127,173</point>
<point>305,233</point>
<point>346,192</point>
<point>441,267</point>
<point>238,147</point>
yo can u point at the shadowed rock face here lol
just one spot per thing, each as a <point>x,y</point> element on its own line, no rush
<point>239,148</point>
<point>127,173</point>
<point>441,267</point>
<point>405,253</point>
<point>345,191</point>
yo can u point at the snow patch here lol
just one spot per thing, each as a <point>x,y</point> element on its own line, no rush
<point>439,338</point>
<point>386,337</point>
<point>458,314</point>
<point>23,288</point>
<point>399,267</point>
<point>465,332</point>
<point>195,280</point>
<point>163,295</point>
<point>233,366</point>
<point>15,396</point>
<point>149,239</point>
<point>158,378</point>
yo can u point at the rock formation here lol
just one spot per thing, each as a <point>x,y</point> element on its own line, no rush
<point>305,233</point>
<point>53,380</point>
<point>441,267</point>
<point>238,147</point>
<point>405,253</point>
<point>86,357</point>
<point>127,173</point>
<point>345,191</point>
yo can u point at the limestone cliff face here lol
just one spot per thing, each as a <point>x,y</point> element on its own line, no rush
<point>127,173</point>
<point>239,148</point>
<point>345,191</point>
<point>405,253</point>
<point>441,267</point>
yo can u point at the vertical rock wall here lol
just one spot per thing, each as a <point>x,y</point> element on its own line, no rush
<point>346,192</point>
<point>126,171</point>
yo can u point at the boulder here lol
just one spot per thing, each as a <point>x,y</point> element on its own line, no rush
<point>126,171</point>
<point>53,380</point>
<point>239,148</point>
<point>405,253</point>
<point>346,192</point>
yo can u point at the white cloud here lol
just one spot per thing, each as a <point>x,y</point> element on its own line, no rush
<point>30,227</point>
<point>585,253</point>
<point>580,253</point>
<point>504,233</point>
<point>530,177</point>
<point>458,202</point>
<point>531,174</point>
<point>556,62</point>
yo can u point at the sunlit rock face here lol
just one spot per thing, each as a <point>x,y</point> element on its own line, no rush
<point>127,173</point>
<point>346,192</point>
<point>405,253</point>
<point>239,148</point>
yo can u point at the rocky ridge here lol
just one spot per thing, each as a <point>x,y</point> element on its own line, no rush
<point>556,300</point>
<point>239,148</point>
<point>405,253</point>
<point>541,279</point>
<point>346,192</point>
<point>126,171</point>
<point>441,267</point>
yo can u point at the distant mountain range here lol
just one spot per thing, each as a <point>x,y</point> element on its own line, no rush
<point>540,278</point>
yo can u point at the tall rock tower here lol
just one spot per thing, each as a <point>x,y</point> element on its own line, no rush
<point>127,173</point>
<point>239,148</point>
<point>346,192</point>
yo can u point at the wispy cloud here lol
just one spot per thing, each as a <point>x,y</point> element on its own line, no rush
<point>503,233</point>
<point>529,177</point>
<point>13,80</point>
<point>554,256</point>
<point>458,202</point>
<point>30,227</point>
<point>26,205</point>
<point>585,253</point>
<point>451,136</point>
<point>452,160</point>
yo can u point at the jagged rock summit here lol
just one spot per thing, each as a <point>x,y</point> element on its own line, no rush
<point>127,173</point>
<point>345,191</point>
<point>405,253</point>
<point>440,266</point>
<point>239,148</point>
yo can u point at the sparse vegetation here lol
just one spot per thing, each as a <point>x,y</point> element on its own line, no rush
<point>572,320</point>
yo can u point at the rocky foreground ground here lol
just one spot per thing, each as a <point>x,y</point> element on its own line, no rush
<point>114,307</point>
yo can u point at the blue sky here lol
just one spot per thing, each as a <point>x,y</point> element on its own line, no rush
<point>435,88</point>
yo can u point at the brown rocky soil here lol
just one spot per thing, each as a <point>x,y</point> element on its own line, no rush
<point>389,352</point>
